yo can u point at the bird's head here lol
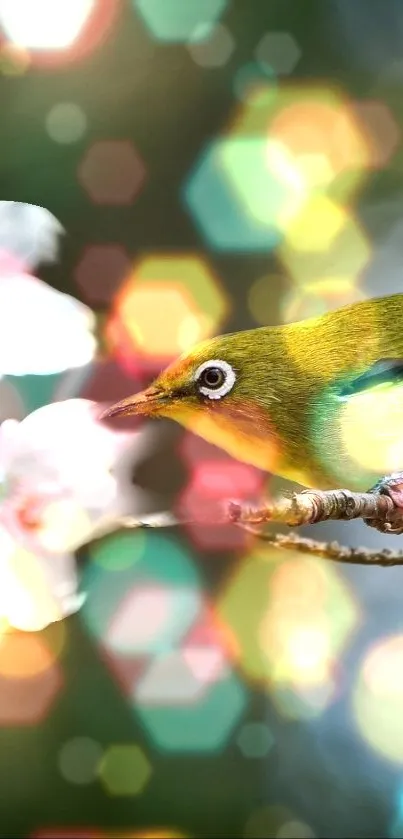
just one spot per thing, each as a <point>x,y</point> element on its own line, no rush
<point>214,391</point>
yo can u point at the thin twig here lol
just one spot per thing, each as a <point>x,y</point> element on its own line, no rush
<point>309,507</point>
<point>328,550</point>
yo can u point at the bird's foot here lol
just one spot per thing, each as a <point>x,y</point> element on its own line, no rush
<point>391,485</point>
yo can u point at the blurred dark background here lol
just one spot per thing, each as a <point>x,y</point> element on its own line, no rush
<point>173,140</point>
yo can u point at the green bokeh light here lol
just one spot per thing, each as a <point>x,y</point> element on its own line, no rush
<point>201,727</point>
<point>139,563</point>
<point>175,21</point>
<point>255,740</point>
<point>124,770</point>
<point>225,196</point>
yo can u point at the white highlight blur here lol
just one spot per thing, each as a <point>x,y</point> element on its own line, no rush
<point>44,24</point>
<point>67,479</point>
<point>28,232</point>
<point>42,331</point>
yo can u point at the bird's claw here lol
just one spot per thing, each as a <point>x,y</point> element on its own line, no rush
<point>391,485</point>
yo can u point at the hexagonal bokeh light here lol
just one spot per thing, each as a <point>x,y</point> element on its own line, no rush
<point>318,127</point>
<point>185,710</point>
<point>79,759</point>
<point>144,595</point>
<point>149,612</point>
<point>211,47</point>
<point>112,172</point>
<point>290,156</point>
<point>175,21</point>
<point>185,694</point>
<point>316,226</point>
<point>316,144</point>
<point>347,252</point>
<point>66,123</point>
<point>249,77</point>
<point>30,679</point>
<point>124,770</point>
<point>291,618</point>
<point>100,270</point>
<point>235,199</point>
<point>278,51</point>
<point>168,304</point>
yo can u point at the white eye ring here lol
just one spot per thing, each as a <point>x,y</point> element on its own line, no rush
<point>228,383</point>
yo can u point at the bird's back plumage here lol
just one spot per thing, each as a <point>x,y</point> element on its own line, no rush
<point>338,382</point>
<point>300,379</point>
<point>319,401</point>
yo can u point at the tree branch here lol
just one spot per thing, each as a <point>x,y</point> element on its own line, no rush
<point>310,506</point>
<point>329,550</point>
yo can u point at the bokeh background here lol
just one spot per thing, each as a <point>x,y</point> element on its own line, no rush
<point>216,165</point>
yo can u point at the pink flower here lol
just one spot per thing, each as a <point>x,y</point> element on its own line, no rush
<point>66,479</point>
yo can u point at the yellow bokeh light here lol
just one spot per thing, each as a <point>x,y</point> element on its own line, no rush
<point>315,169</point>
<point>293,156</point>
<point>378,696</point>
<point>319,297</point>
<point>317,224</point>
<point>194,276</point>
<point>347,255</point>
<point>264,179</point>
<point>170,303</point>
<point>317,126</point>
<point>291,619</point>
<point>160,330</point>
<point>26,599</point>
<point>327,128</point>
<point>298,650</point>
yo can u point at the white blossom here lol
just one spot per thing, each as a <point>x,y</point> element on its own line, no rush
<point>66,479</point>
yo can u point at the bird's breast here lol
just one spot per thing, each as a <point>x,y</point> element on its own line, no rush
<point>245,438</point>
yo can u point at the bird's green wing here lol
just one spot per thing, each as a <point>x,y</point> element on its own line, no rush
<point>356,426</point>
<point>386,371</point>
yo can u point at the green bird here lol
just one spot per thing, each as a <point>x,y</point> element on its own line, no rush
<point>319,402</point>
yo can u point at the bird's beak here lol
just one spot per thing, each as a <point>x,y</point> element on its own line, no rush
<point>145,403</point>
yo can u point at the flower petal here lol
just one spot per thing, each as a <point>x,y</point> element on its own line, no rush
<point>42,331</point>
<point>28,232</point>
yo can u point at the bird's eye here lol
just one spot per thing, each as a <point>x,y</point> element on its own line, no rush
<point>212,377</point>
<point>215,378</point>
